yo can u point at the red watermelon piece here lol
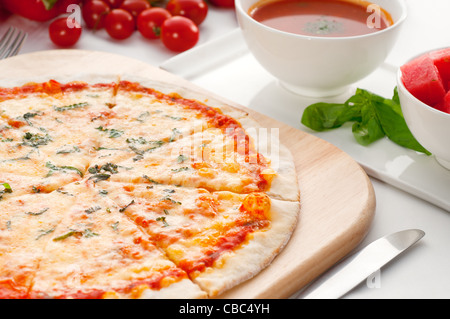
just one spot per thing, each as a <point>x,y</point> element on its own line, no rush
<point>421,77</point>
<point>441,60</point>
<point>444,105</point>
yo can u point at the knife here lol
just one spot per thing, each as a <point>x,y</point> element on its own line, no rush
<point>353,270</point>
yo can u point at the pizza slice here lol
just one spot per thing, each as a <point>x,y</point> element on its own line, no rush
<point>141,121</point>
<point>45,136</point>
<point>209,159</point>
<point>55,99</point>
<point>38,163</point>
<point>96,252</point>
<point>202,232</point>
<point>26,223</point>
<point>31,161</point>
<point>169,139</point>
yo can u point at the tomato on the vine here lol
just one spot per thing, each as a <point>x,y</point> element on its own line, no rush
<point>135,7</point>
<point>179,33</point>
<point>196,10</point>
<point>94,12</point>
<point>149,22</point>
<point>119,24</point>
<point>64,32</point>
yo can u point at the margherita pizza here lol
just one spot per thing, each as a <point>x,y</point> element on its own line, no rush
<point>126,188</point>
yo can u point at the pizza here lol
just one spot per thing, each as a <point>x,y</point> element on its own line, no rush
<point>123,187</point>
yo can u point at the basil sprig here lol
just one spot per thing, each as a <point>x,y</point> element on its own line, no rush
<point>373,117</point>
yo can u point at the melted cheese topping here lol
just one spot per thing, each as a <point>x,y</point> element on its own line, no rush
<point>114,190</point>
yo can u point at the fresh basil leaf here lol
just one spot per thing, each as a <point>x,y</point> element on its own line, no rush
<point>369,129</point>
<point>395,98</point>
<point>368,132</point>
<point>324,116</point>
<point>374,117</point>
<point>396,129</point>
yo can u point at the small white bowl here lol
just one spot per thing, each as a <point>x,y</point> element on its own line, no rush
<point>319,66</point>
<point>429,126</point>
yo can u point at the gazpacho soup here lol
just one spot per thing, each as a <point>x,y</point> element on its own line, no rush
<point>327,18</point>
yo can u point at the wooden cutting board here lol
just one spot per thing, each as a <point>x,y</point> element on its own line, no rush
<point>337,198</point>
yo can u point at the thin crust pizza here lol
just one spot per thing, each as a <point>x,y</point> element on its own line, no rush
<point>130,188</point>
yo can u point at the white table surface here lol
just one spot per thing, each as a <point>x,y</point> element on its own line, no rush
<point>421,272</point>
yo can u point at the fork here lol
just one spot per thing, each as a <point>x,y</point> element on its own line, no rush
<point>11,42</point>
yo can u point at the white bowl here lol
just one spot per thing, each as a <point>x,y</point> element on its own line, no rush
<point>319,66</point>
<point>429,126</point>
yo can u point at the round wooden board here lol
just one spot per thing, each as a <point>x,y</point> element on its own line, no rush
<point>337,197</point>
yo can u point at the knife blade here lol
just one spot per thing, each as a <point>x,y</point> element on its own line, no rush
<point>350,272</point>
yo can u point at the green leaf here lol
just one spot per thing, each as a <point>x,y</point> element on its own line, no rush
<point>374,117</point>
<point>70,107</point>
<point>35,140</point>
<point>113,133</point>
<point>395,98</point>
<point>368,132</point>
<point>368,129</point>
<point>49,3</point>
<point>63,169</point>
<point>396,129</point>
<point>324,116</point>
<point>67,235</point>
<point>7,188</point>
<point>100,177</point>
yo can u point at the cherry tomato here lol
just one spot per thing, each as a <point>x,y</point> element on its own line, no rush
<point>135,7</point>
<point>31,9</point>
<point>64,32</point>
<point>196,10</point>
<point>223,3</point>
<point>150,20</point>
<point>179,33</point>
<point>94,13</point>
<point>62,5</point>
<point>119,24</point>
<point>113,4</point>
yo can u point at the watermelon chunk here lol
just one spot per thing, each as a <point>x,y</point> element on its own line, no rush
<point>421,77</point>
<point>441,60</point>
<point>444,105</point>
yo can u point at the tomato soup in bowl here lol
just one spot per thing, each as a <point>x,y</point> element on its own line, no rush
<point>332,18</point>
<point>319,48</point>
